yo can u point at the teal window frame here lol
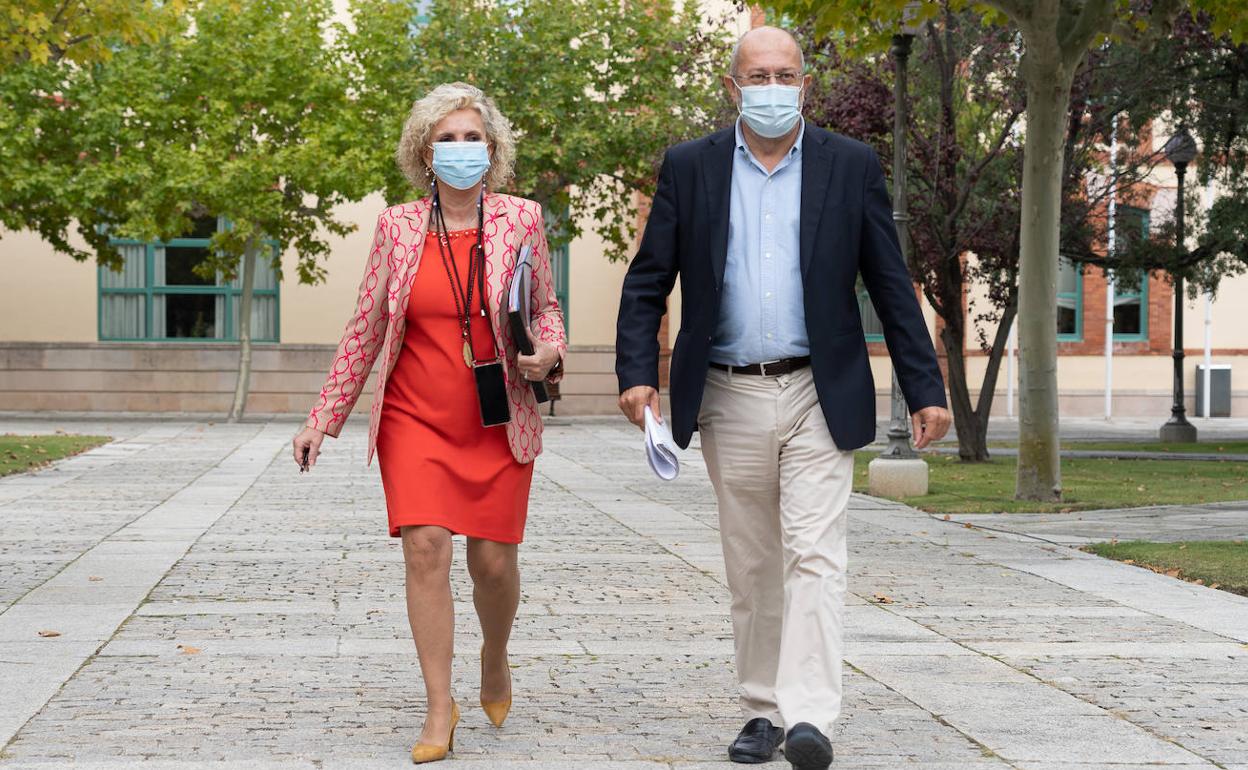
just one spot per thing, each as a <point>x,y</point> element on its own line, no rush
<point>1141,293</point>
<point>867,310</point>
<point>1077,296</point>
<point>560,262</point>
<point>150,290</point>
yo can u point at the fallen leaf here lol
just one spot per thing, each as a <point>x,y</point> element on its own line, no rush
<point>49,634</point>
<point>968,525</point>
<point>1182,546</point>
<point>188,649</point>
<point>947,517</point>
<point>1199,581</point>
<point>1174,573</point>
<point>1140,488</point>
<point>1215,585</point>
<point>94,578</point>
<point>883,599</point>
<point>1128,561</point>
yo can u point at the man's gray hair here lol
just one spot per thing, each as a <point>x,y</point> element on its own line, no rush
<point>736,49</point>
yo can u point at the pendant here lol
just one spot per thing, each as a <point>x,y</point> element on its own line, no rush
<point>468,353</point>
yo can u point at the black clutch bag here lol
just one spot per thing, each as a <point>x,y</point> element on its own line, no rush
<point>492,393</point>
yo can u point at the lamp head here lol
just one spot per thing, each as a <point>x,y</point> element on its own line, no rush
<point>1181,148</point>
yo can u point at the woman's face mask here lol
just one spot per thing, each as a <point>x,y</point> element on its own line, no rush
<point>460,164</point>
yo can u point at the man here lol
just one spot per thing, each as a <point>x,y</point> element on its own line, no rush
<point>768,224</point>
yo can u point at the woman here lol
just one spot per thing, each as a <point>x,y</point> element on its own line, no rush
<point>432,311</point>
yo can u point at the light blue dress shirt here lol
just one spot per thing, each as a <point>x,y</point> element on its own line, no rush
<point>761,315</point>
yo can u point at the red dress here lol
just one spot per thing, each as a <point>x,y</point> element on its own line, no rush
<point>439,466</point>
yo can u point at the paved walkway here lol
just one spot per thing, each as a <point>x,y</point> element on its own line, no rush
<point>1161,523</point>
<point>217,610</point>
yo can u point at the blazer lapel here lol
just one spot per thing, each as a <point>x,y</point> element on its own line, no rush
<point>717,178</point>
<point>816,175</point>
<point>414,224</point>
<point>501,242</point>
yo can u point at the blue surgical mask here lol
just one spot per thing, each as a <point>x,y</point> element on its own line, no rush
<point>460,164</point>
<point>771,110</point>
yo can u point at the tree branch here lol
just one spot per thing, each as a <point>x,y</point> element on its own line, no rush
<point>988,387</point>
<point>1018,10</point>
<point>989,156</point>
<point>1095,17</point>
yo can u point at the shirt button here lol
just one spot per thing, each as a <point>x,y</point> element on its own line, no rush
<point>768,294</point>
<point>768,335</point>
<point>767,255</point>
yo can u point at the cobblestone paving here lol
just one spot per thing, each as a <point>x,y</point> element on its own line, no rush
<point>216,609</point>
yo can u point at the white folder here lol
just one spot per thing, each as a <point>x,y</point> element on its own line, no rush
<point>660,448</point>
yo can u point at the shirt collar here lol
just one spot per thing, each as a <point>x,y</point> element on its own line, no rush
<point>794,151</point>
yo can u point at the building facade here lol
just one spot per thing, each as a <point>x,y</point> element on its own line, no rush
<point>156,337</point>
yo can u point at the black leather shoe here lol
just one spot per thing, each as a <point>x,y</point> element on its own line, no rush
<point>757,742</point>
<point>807,749</point>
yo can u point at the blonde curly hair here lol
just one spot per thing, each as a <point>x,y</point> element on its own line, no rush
<point>437,104</point>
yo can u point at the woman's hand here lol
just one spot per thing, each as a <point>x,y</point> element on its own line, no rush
<point>536,367</point>
<point>307,443</point>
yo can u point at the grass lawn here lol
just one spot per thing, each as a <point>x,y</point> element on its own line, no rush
<point>1087,484</point>
<point>1207,447</point>
<point>1215,563</point>
<point>21,453</point>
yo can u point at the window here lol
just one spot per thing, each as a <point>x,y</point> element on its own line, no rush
<point>1069,301</point>
<point>871,326</point>
<point>1131,287</point>
<point>157,295</point>
<point>559,265</point>
<point>1131,306</point>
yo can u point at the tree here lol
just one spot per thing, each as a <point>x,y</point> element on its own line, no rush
<point>51,31</point>
<point>964,172</point>
<point>595,89</point>
<point>1193,77</point>
<point>1056,35</point>
<point>244,115</point>
<point>268,115</point>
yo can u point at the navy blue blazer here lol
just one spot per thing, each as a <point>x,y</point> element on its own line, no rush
<point>846,229</point>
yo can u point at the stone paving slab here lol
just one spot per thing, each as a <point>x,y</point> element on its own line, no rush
<point>1162,523</point>
<point>245,615</point>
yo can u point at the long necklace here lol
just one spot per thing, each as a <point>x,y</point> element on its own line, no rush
<point>476,269</point>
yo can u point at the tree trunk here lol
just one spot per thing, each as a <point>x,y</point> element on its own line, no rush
<point>1048,98</point>
<point>243,386</point>
<point>965,419</point>
<point>988,387</point>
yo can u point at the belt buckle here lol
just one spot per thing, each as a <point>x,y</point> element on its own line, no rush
<point>762,367</point>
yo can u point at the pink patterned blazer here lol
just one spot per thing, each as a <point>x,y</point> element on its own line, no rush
<point>374,333</point>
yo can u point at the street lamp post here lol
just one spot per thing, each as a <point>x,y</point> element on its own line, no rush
<point>899,417</point>
<point>899,471</point>
<point>1180,150</point>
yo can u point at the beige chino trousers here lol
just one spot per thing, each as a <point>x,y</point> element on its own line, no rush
<point>783,487</point>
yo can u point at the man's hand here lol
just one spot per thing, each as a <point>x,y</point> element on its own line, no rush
<point>930,424</point>
<point>633,404</point>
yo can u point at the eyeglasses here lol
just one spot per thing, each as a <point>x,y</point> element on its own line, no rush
<point>783,77</point>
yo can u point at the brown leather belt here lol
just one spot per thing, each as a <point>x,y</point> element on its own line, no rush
<point>767,368</point>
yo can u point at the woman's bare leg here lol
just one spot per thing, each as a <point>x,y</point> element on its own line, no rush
<point>431,614</point>
<point>495,572</point>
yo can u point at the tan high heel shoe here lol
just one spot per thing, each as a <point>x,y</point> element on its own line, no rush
<point>496,710</point>
<point>428,752</point>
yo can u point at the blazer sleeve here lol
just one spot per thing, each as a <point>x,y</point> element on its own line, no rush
<point>547,321</point>
<point>647,284</point>
<point>361,340</point>
<point>888,283</point>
